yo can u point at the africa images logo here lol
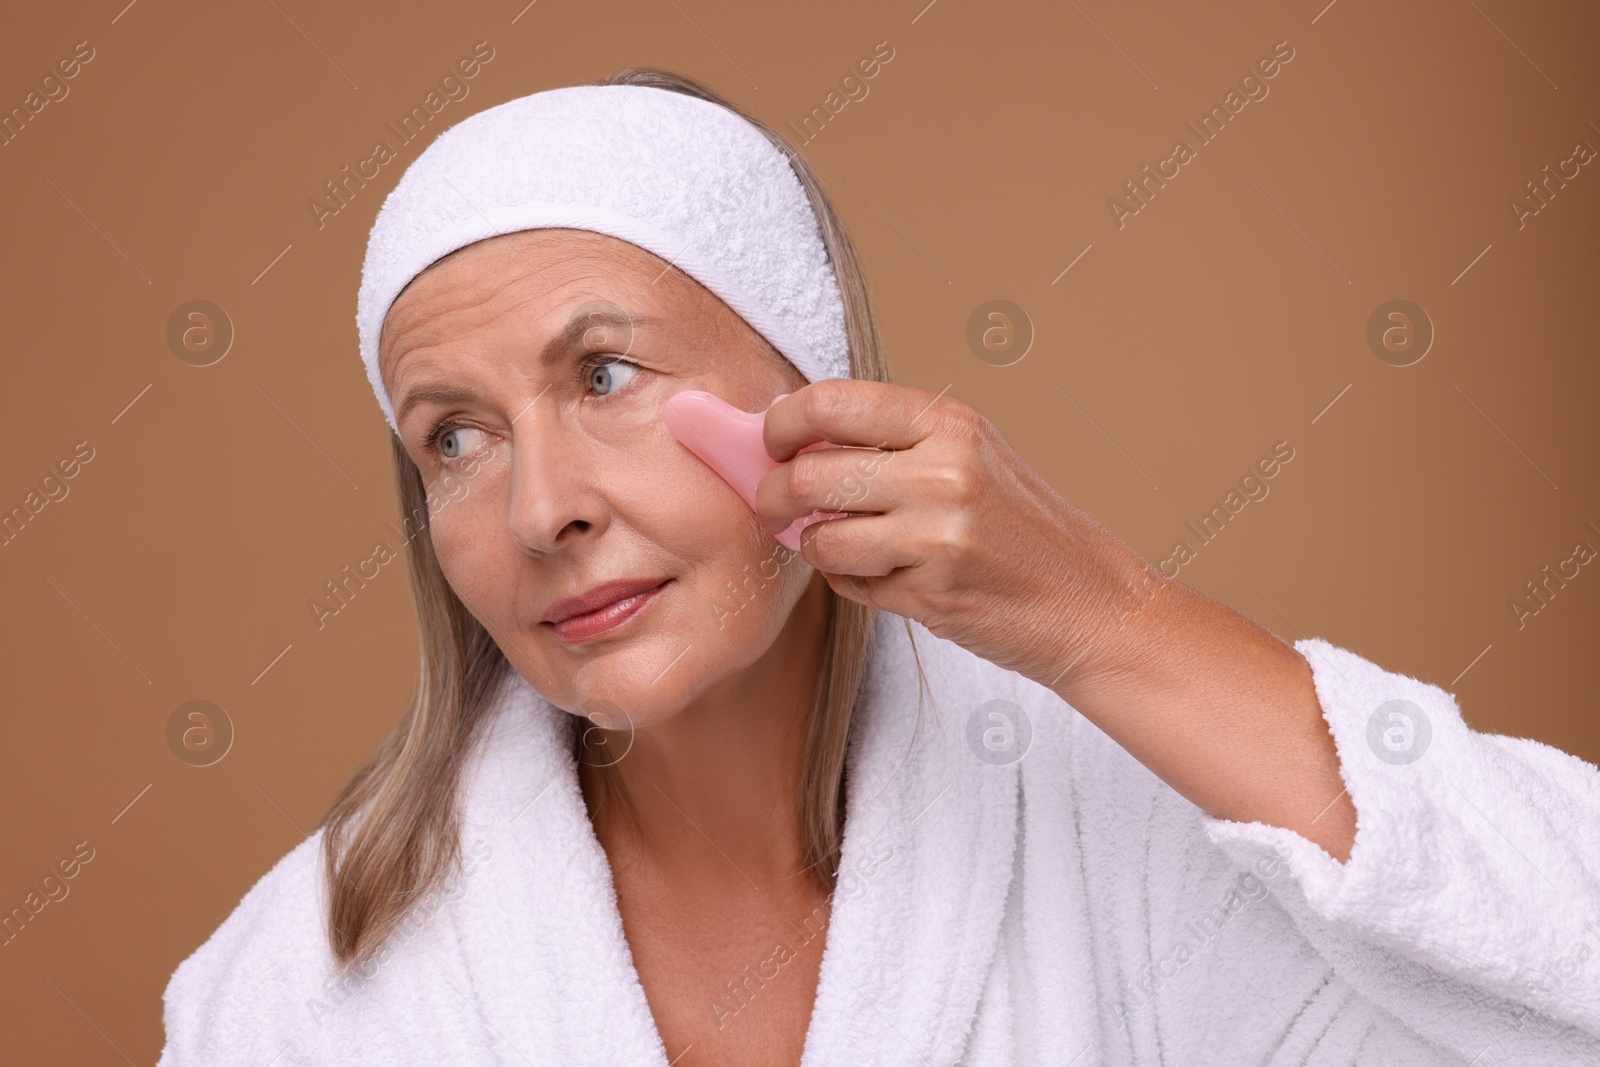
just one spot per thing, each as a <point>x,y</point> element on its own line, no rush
<point>1253,87</point>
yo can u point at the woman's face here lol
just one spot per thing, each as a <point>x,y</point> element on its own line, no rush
<point>528,373</point>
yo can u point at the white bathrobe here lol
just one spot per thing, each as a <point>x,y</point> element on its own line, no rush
<point>1067,908</point>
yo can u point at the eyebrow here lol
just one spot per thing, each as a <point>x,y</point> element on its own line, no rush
<point>567,340</point>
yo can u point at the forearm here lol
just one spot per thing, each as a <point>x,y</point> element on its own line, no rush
<point>1221,710</point>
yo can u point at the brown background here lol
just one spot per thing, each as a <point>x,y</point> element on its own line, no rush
<point>1175,352</point>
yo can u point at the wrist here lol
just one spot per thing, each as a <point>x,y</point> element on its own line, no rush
<point>1113,622</point>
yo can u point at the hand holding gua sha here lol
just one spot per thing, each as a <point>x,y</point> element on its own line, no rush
<point>730,442</point>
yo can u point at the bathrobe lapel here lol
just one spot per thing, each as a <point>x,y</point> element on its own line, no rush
<point>930,834</point>
<point>541,929</point>
<point>926,863</point>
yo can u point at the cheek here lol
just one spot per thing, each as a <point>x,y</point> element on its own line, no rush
<point>754,591</point>
<point>708,520</point>
<point>463,528</point>
<point>669,495</point>
<point>739,583</point>
<point>751,583</point>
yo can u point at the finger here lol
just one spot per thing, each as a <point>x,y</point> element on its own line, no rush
<point>885,593</point>
<point>830,479</point>
<point>852,587</point>
<point>869,546</point>
<point>849,411</point>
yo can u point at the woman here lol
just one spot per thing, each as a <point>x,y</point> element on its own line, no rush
<point>967,780</point>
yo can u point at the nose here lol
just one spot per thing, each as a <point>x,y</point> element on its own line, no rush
<point>554,500</point>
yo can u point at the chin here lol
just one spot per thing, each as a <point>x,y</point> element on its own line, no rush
<point>629,708</point>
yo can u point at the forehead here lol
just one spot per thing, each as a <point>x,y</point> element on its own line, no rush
<point>485,281</point>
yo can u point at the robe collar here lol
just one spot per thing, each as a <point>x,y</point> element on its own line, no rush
<point>929,840</point>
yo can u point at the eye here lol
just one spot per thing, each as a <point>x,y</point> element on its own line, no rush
<point>606,375</point>
<point>452,443</point>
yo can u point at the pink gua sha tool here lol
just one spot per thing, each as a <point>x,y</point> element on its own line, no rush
<point>729,441</point>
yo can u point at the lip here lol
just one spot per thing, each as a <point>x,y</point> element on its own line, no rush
<point>604,608</point>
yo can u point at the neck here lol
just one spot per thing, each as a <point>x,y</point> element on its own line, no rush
<point>716,788</point>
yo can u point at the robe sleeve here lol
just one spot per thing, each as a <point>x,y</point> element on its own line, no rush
<point>1468,907</point>
<point>247,995</point>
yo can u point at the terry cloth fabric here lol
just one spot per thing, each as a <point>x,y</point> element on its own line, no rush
<point>1067,908</point>
<point>674,174</point>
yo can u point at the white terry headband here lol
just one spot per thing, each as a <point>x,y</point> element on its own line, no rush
<point>683,177</point>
